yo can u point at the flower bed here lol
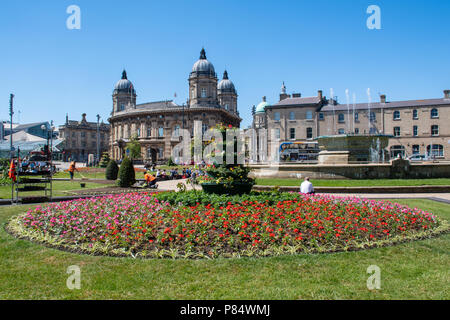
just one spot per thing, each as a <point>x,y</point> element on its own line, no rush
<point>142,225</point>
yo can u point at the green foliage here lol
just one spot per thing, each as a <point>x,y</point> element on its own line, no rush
<point>4,169</point>
<point>170,162</point>
<point>112,170</point>
<point>134,148</point>
<point>192,198</point>
<point>104,161</point>
<point>127,175</point>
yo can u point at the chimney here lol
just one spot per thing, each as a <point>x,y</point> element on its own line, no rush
<point>296,95</point>
<point>83,119</point>
<point>320,95</point>
<point>383,98</point>
<point>447,94</point>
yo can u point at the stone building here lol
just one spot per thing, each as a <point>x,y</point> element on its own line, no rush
<point>416,127</point>
<point>80,138</point>
<point>157,124</point>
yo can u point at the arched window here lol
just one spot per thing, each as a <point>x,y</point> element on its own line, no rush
<point>396,115</point>
<point>434,113</point>
<point>437,150</point>
<point>341,117</point>
<point>227,107</point>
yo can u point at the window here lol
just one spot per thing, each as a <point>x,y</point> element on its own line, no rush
<point>309,115</point>
<point>396,115</point>
<point>397,151</point>
<point>373,130</point>
<point>435,130</point>
<point>415,131</point>
<point>93,135</point>
<point>160,153</point>
<point>291,115</point>
<point>437,150</point>
<point>415,114</point>
<point>226,107</point>
<point>176,131</point>
<point>341,131</point>
<point>193,93</point>
<point>356,117</point>
<point>373,117</point>
<point>321,116</point>
<point>160,132</point>
<point>434,113</point>
<point>149,132</point>
<point>277,133</point>
<point>309,133</point>
<point>292,133</point>
<point>122,107</point>
<point>204,128</point>
<point>415,149</point>
<point>341,118</point>
<point>396,131</point>
<point>203,93</point>
<point>83,134</point>
<point>277,116</point>
<point>138,132</point>
<point>356,130</point>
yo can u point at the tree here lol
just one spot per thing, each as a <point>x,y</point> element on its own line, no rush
<point>127,176</point>
<point>134,148</point>
<point>104,160</point>
<point>112,170</point>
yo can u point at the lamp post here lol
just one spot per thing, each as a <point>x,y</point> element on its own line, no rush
<point>98,138</point>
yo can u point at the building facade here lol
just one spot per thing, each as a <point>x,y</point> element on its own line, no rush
<point>157,125</point>
<point>416,127</point>
<point>80,138</point>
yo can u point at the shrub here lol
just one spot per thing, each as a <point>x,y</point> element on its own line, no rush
<point>170,163</point>
<point>112,170</point>
<point>104,161</point>
<point>127,175</point>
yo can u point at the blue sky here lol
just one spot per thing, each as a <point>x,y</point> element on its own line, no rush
<point>311,45</point>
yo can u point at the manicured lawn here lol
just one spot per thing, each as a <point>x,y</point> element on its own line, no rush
<point>416,270</point>
<point>60,188</point>
<point>354,183</point>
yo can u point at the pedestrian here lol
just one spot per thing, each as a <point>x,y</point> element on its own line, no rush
<point>72,169</point>
<point>307,187</point>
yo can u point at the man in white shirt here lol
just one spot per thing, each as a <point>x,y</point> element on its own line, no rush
<point>307,187</point>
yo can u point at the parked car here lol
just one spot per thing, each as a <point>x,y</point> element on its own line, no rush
<point>418,157</point>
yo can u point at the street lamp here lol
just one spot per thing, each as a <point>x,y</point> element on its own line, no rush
<point>98,138</point>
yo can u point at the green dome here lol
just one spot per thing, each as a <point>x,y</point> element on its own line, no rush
<point>261,108</point>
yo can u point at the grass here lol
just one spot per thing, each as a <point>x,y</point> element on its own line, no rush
<point>415,270</point>
<point>60,188</point>
<point>355,183</point>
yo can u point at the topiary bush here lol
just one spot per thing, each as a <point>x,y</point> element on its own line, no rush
<point>112,170</point>
<point>104,161</point>
<point>127,176</point>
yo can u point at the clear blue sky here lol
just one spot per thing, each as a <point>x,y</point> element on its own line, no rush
<point>310,45</point>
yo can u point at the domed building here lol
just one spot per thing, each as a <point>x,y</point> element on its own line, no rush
<point>155,124</point>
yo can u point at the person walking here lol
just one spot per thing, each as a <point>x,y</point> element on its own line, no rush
<point>307,187</point>
<point>72,169</point>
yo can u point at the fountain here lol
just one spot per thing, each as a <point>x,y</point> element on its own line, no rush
<point>352,147</point>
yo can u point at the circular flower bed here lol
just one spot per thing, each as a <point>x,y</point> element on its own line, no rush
<point>143,225</point>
